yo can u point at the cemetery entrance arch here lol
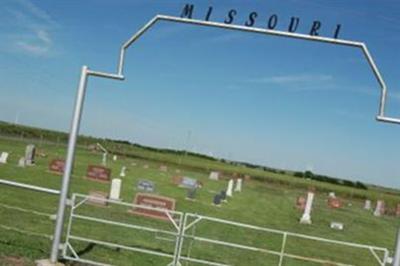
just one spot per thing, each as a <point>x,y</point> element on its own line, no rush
<point>119,75</point>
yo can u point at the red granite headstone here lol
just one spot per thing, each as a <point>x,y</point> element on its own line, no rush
<point>57,166</point>
<point>155,202</point>
<point>98,173</point>
<point>334,203</point>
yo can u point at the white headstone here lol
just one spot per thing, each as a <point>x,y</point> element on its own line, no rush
<point>367,205</point>
<point>115,189</point>
<point>114,157</point>
<point>238,187</point>
<point>214,176</point>
<point>306,218</point>
<point>379,208</point>
<point>21,162</point>
<point>122,173</point>
<point>230,188</point>
<point>332,195</point>
<point>104,160</point>
<point>30,154</point>
<point>3,157</point>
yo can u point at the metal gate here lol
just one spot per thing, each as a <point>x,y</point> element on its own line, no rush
<point>182,231</point>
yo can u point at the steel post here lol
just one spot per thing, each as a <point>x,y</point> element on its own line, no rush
<point>396,259</point>
<point>73,135</point>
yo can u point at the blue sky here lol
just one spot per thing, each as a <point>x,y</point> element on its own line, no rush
<point>279,102</point>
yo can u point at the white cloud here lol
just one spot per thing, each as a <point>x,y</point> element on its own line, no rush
<point>293,79</point>
<point>29,30</point>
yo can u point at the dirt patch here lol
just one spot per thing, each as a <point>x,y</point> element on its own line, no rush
<point>12,261</point>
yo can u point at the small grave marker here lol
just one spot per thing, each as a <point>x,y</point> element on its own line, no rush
<point>367,205</point>
<point>30,153</point>
<point>229,190</point>
<point>337,226</point>
<point>301,203</point>
<point>334,203</point>
<point>146,186</point>
<point>188,182</point>
<point>238,187</point>
<point>98,173</point>
<point>98,198</point>
<point>380,208</point>
<point>191,194</point>
<point>21,162</point>
<point>214,175</point>
<point>163,168</point>
<point>155,202</point>
<point>223,195</point>
<point>4,157</point>
<point>115,158</point>
<point>57,166</point>
<point>217,200</point>
<point>123,171</point>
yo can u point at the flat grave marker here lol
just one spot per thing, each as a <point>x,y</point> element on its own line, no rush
<point>98,173</point>
<point>21,162</point>
<point>57,166</point>
<point>98,198</point>
<point>146,186</point>
<point>163,168</point>
<point>159,203</point>
<point>191,194</point>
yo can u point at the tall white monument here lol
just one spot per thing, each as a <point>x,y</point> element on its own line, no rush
<point>115,189</point>
<point>104,160</point>
<point>238,187</point>
<point>306,218</point>
<point>230,188</point>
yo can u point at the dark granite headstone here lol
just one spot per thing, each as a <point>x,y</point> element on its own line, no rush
<point>217,200</point>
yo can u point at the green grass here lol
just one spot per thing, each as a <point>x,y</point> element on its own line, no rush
<point>269,203</point>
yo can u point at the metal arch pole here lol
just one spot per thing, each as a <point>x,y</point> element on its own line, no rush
<point>396,259</point>
<point>76,119</point>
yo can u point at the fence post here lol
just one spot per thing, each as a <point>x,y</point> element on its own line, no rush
<point>396,259</point>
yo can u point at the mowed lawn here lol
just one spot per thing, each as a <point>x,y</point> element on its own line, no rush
<point>264,204</point>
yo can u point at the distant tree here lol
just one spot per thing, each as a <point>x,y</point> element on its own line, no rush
<point>298,174</point>
<point>308,174</point>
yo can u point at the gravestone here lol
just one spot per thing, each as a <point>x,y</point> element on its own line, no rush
<point>21,162</point>
<point>30,153</point>
<point>229,190</point>
<point>98,173</point>
<point>247,177</point>
<point>380,208</point>
<point>334,203</point>
<point>332,195</point>
<point>177,171</point>
<point>223,195</point>
<point>306,218</point>
<point>115,158</point>
<point>57,166</point>
<point>4,157</point>
<point>238,187</point>
<point>191,194</point>
<point>115,191</point>
<point>163,168</point>
<point>146,186</point>
<point>214,175</point>
<point>153,206</point>
<point>146,166</point>
<point>98,198</point>
<point>367,205</point>
<point>123,172</point>
<point>188,182</point>
<point>217,200</point>
<point>177,180</point>
<point>337,225</point>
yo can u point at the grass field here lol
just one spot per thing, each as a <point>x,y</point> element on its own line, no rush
<point>268,203</point>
